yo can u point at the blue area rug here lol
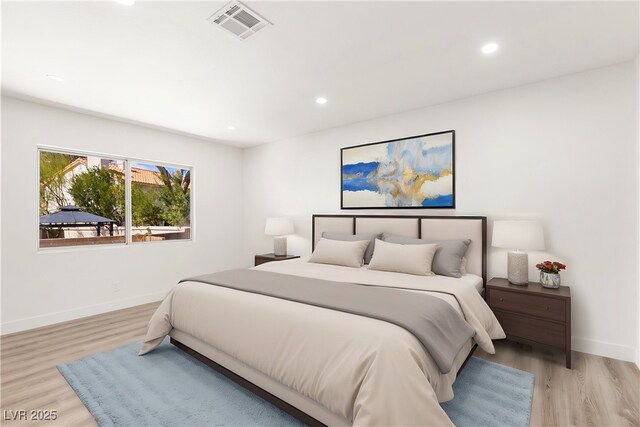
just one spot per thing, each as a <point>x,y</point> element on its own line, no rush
<point>165,388</point>
<point>169,388</point>
<point>488,394</point>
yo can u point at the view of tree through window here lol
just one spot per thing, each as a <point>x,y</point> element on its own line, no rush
<point>160,202</point>
<point>82,201</point>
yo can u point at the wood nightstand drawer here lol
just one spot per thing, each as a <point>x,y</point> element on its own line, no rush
<point>530,329</point>
<point>539,306</point>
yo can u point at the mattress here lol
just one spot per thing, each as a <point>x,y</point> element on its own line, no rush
<point>352,368</point>
<point>288,394</point>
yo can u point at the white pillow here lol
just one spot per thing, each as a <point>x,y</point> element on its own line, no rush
<point>410,259</point>
<point>339,252</point>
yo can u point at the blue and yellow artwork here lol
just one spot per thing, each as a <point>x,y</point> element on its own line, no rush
<point>414,172</point>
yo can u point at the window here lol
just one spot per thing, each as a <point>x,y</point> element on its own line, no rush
<point>160,202</point>
<point>99,200</point>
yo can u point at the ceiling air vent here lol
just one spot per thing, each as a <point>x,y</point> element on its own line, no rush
<point>238,19</point>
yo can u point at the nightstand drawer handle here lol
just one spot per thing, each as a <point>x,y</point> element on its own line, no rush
<point>501,299</point>
<point>547,308</point>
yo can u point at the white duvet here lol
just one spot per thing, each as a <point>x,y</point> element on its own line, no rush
<point>365,371</point>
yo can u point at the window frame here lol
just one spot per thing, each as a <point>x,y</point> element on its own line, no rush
<point>128,242</point>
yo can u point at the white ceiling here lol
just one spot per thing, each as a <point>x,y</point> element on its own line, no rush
<point>163,64</point>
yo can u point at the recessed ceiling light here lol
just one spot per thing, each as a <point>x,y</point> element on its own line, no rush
<point>231,127</point>
<point>321,100</point>
<point>490,48</point>
<point>54,78</point>
<point>126,2</point>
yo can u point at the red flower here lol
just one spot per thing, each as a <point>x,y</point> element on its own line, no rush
<point>551,266</point>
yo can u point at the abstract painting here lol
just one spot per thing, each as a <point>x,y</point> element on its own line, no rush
<point>413,172</point>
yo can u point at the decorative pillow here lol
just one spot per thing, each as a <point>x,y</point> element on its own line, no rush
<point>339,252</point>
<point>448,258</point>
<point>463,266</point>
<point>409,259</point>
<point>353,237</point>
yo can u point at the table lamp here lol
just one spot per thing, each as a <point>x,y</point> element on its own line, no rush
<point>279,228</point>
<point>518,236</point>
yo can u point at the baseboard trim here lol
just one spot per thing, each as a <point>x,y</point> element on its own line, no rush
<point>77,313</point>
<point>605,349</point>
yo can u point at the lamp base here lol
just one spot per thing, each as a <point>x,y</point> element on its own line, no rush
<point>280,246</point>
<point>518,268</point>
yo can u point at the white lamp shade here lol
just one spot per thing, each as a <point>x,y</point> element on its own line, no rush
<point>523,235</point>
<point>278,227</point>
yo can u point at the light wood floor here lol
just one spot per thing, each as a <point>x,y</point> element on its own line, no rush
<point>597,392</point>
<point>28,360</point>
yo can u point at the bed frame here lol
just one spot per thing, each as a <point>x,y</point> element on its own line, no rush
<point>419,226</point>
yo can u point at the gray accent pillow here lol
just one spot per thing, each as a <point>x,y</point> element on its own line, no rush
<point>353,237</point>
<point>448,258</point>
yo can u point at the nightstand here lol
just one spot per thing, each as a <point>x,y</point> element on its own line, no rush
<point>533,314</point>
<point>261,259</point>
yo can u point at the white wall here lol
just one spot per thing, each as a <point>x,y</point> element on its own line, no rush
<point>40,288</point>
<point>562,150</point>
<point>637,65</point>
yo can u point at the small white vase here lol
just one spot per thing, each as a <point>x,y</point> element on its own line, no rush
<point>550,280</point>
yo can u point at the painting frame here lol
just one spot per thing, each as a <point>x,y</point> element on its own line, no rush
<point>450,205</point>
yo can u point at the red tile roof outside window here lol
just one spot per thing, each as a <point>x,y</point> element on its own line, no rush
<point>138,175</point>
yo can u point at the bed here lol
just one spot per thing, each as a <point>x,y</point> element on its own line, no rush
<point>329,367</point>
